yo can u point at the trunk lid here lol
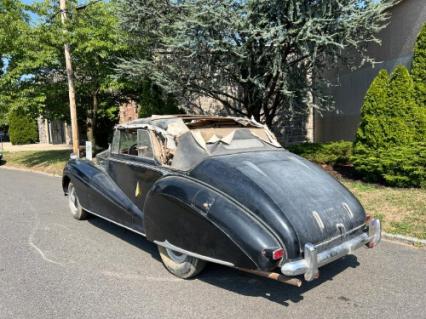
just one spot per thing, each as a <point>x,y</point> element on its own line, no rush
<point>282,188</point>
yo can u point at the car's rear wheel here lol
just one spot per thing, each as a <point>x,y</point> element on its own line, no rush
<point>181,265</point>
<point>76,210</point>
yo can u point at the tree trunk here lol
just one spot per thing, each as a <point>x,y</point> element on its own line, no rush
<point>91,120</point>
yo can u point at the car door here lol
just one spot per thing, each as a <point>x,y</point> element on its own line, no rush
<point>133,168</point>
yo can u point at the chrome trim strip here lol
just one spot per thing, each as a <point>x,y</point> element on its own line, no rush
<point>134,162</point>
<point>312,260</point>
<point>114,222</point>
<point>168,245</point>
<point>340,236</point>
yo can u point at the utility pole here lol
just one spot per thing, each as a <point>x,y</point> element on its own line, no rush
<point>71,88</point>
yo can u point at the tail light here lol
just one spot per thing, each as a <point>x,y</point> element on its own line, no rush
<point>276,254</point>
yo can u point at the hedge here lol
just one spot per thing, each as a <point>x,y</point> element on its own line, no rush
<point>400,166</point>
<point>331,153</point>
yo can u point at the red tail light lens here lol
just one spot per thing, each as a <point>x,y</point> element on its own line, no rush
<point>278,254</point>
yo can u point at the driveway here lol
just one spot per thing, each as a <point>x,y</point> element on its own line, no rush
<point>52,266</point>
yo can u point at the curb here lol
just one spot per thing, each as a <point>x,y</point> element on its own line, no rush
<point>21,169</point>
<point>404,239</point>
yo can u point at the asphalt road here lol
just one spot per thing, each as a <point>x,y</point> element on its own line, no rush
<point>52,266</point>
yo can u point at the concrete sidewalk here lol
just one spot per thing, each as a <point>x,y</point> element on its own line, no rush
<point>8,147</point>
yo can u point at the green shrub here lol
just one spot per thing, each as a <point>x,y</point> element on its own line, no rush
<point>331,153</point>
<point>22,129</point>
<point>400,166</point>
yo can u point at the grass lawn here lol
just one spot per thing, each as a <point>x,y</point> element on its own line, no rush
<point>402,211</point>
<point>51,162</point>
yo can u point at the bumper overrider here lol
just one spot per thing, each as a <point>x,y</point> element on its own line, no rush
<point>313,259</point>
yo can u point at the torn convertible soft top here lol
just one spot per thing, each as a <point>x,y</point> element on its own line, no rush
<point>187,139</point>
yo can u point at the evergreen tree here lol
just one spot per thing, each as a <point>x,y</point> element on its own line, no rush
<point>22,128</point>
<point>154,101</point>
<point>255,57</point>
<point>371,133</point>
<point>418,69</point>
<point>387,147</point>
<point>418,72</point>
<point>400,118</point>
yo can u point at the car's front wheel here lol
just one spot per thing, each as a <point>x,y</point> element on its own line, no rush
<point>181,265</point>
<point>76,210</point>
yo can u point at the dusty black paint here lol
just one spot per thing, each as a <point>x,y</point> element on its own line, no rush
<point>230,207</point>
<point>284,190</point>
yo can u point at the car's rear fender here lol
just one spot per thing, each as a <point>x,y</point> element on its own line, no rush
<point>181,212</point>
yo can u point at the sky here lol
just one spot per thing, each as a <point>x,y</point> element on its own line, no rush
<point>34,18</point>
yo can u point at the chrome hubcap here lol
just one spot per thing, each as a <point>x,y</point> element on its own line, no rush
<point>176,256</point>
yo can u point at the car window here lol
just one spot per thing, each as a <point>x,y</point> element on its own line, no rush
<point>128,142</point>
<point>115,146</point>
<point>132,142</point>
<point>144,144</point>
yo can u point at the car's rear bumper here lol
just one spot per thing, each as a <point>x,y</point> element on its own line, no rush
<point>313,259</point>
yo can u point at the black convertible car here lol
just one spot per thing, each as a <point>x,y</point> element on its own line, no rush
<point>222,190</point>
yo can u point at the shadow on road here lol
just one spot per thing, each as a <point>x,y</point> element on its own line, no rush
<point>253,286</point>
<point>234,280</point>
<point>126,235</point>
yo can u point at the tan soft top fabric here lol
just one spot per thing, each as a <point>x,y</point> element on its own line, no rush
<point>221,132</point>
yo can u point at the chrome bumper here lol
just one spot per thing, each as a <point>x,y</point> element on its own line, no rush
<point>313,260</point>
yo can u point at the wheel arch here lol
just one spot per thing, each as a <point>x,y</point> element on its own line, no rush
<point>185,213</point>
<point>65,182</point>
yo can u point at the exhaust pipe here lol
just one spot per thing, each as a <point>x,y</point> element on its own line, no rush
<point>275,276</point>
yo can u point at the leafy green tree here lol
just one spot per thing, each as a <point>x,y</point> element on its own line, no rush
<point>418,69</point>
<point>98,44</point>
<point>13,22</point>
<point>256,57</point>
<point>371,133</point>
<point>35,81</point>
